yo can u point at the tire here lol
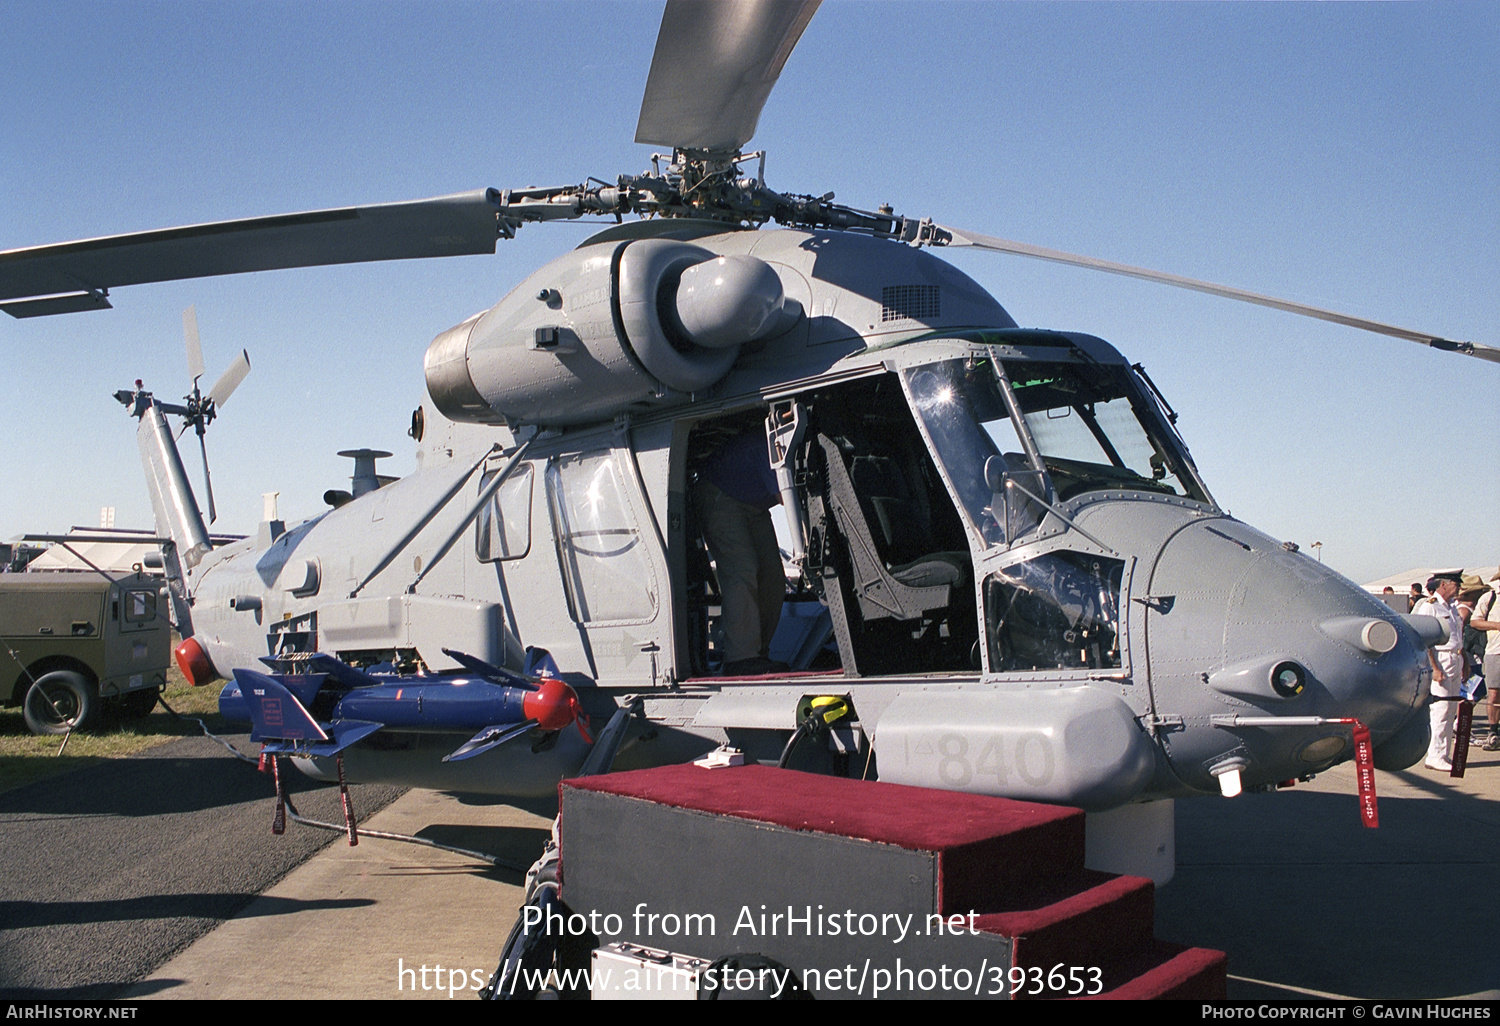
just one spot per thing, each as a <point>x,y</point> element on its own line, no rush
<point>137,705</point>
<point>59,703</point>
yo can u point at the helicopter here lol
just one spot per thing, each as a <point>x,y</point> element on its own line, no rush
<point>577,397</point>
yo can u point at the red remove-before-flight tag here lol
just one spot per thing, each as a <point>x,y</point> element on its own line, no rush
<point>1461,740</point>
<point>1364,774</point>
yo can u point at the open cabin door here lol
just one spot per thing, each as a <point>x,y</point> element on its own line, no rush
<point>886,548</point>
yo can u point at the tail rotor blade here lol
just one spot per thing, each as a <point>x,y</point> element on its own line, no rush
<point>230,380</point>
<point>208,485</point>
<point>194,349</point>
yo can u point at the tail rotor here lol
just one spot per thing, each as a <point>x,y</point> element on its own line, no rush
<point>199,410</point>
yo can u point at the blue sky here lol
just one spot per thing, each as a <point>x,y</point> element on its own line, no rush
<point>1340,154</point>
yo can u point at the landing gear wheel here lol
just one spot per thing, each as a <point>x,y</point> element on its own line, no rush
<point>59,703</point>
<point>137,705</point>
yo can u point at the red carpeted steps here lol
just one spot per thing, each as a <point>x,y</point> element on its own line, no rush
<point>720,843</point>
<point>1166,970</point>
<point>1093,912</point>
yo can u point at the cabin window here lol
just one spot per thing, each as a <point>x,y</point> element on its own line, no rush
<point>606,567</point>
<point>503,530</point>
<point>1059,611</point>
<point>140,606</point>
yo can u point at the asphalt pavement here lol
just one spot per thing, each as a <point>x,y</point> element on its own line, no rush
<point>112,869</point>
<point>1308,902</point>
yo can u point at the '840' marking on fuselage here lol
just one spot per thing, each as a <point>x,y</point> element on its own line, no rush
<point>1028,755</point>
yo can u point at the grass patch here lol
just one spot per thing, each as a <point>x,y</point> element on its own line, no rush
<point>25,757</point>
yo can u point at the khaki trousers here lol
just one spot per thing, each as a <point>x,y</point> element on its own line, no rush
<point>748,565</point>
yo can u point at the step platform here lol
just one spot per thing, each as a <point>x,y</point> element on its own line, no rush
<point>864,889</point>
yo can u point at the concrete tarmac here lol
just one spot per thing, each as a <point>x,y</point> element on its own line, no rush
<point>1306,901</point>
<point>394,920</point>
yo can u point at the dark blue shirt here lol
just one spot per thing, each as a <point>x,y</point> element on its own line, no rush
<point>741,468</point>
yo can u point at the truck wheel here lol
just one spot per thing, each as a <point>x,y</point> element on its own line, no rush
<point>137,705</point>
<point>62,701</point>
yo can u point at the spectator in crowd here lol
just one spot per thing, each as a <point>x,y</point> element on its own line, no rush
<point>1486,618</point>
<point>1447,660</point>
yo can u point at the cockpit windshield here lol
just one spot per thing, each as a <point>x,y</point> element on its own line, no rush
<point>1090,422</point>
<point>1090,427</point>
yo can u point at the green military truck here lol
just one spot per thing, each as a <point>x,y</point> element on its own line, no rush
<point>78,645</point>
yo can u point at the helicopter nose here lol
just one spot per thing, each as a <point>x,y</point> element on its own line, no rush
<point>1266,643</point>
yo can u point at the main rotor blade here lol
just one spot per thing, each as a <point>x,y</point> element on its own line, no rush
<point>715,64</point>
<point>989,242</point>
<point>71,276</point>
<point>229,380</point>
<point>194,348</point>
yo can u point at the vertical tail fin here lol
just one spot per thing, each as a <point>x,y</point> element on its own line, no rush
<point>172,500</point>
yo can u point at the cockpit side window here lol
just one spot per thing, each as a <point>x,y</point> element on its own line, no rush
<point>970,430</point>
<point>1059,611</point>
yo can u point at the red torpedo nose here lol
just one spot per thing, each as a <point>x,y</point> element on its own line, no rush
<point>194,663</point>
<point>553,705</point>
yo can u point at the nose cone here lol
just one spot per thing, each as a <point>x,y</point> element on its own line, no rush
<point>1255,630</point>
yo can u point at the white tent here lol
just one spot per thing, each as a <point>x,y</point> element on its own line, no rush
<point>100,546</point>
<point>1403,581</point>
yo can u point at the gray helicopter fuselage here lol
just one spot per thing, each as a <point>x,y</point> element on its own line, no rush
<point>1094,628</point>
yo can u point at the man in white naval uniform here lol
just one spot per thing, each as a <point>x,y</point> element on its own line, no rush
<point>1447,664</point>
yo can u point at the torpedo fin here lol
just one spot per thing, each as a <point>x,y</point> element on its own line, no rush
<point>489,737</point>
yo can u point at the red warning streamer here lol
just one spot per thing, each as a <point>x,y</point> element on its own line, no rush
<point>1364,772</point>
<point>278,821</point>
<point>1461,741</point>
<point>349,823</point>
<point>1364,752</point>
